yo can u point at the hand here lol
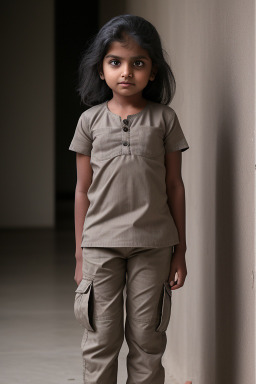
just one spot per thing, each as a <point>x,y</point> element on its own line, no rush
<point>79,267</point>
<point>178,266</point>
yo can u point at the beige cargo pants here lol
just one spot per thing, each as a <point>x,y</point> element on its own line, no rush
<point>99,308</point>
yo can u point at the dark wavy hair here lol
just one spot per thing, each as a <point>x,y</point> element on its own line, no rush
<point>93,90</point>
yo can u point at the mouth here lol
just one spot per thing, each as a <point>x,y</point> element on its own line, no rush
<point>125,83</point>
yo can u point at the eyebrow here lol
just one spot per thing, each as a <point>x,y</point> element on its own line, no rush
<point>133,57</point>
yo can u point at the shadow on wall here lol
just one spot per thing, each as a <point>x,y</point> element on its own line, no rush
<point>226,246</point>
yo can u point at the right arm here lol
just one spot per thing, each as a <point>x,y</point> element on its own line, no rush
<point>84,179</point>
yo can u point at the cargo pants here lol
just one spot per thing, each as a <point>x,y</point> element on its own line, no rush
<point>99,308</point>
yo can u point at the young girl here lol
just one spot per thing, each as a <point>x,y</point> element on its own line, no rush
<point>129,202</point>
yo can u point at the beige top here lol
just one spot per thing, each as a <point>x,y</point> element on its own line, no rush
<point>128,199</point>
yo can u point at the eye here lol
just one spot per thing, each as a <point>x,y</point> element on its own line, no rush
<point>139,63</point>
<point>113,61</point>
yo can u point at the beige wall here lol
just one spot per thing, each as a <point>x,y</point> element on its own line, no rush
<point>211,338</point>
<point>27,114</point>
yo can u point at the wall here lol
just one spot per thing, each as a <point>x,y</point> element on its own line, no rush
<point>211,337</point>
<point>74,26</point>
<point>109,9</point>
<point>27,114</point>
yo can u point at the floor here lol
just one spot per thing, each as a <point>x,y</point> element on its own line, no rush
<point>40,338</point>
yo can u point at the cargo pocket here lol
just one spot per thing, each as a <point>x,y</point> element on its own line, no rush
<point>83,304</point>
<point>165,308</point>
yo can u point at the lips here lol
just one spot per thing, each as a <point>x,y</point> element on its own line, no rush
<point>126,83</point>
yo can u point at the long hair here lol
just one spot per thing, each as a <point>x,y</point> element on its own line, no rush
<point>93,90</point>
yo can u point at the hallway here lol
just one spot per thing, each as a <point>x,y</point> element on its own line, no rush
<point>40,338</point>
<point>211,48</point>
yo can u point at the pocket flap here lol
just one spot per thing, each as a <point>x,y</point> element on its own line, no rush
<point>166,308</point>
<point>168,288</point>
<point>83,286</point>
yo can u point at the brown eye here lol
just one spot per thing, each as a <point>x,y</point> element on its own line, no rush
<point>113,61</point>
<point>139,63</point>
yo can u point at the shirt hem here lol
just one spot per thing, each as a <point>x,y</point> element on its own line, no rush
<point>128,244</point>
<point>177,148</point>
<point>77,148</point>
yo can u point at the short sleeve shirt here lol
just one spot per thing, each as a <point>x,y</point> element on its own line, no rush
<point>128,199</point>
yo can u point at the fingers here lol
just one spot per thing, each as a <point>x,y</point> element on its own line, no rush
<point>178,271</point>
<point>178,282</point>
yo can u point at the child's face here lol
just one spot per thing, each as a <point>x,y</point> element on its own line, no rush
<point>127,63</point>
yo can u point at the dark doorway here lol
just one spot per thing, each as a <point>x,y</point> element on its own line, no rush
<point>75,23</point>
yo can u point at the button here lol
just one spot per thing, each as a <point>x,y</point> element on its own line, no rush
<point>125,121</point>
<point>126,143</point>
<point>125,129</point>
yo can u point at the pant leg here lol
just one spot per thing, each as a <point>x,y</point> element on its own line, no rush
<point>148,308</point>
<point>99,308</point>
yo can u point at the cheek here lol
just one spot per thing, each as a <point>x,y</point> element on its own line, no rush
<point>110,80</point>
<point>110,77</point>
<point>108,71</point>
<point>144,77</point>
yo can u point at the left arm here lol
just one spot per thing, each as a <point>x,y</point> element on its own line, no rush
<point>176,202</point>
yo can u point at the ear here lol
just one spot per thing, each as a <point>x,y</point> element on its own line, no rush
<point>100,70</point>
<point>153,73</point>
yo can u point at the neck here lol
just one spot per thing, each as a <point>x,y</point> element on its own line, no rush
<point>136,101</point>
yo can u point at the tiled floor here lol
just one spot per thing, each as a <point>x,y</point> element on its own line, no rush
<point>40,338</point>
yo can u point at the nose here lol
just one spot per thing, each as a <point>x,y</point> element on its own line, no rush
<point>127,70</point>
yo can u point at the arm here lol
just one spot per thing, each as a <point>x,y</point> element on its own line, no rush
<point>176,202</point>
<point>84,178</point>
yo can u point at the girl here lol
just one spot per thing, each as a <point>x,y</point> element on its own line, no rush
<point>129,202</point>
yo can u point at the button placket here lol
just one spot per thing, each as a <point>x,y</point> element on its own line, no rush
<point>126,137</point>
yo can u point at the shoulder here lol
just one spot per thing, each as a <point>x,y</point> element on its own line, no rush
<point>165,111</point>
<point>93,112</point>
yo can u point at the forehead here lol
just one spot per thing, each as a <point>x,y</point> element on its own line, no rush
<point>126,49</point>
